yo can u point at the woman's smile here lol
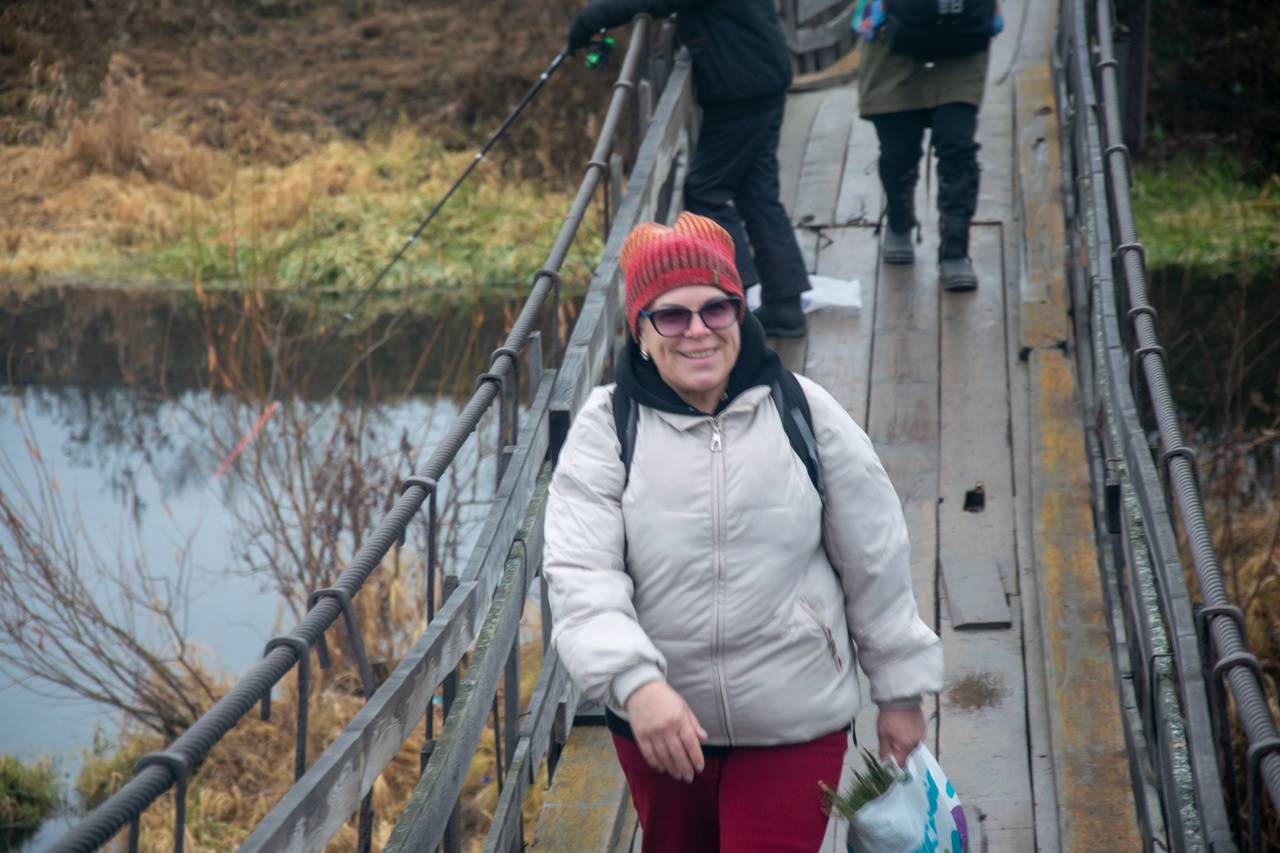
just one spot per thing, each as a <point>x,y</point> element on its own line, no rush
<point>695,363</point>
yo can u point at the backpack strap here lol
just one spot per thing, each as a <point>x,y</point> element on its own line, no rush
<point>797,422</point>
<point>626,413</point>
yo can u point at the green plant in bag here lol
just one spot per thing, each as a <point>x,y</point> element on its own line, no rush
<point>878,777</point>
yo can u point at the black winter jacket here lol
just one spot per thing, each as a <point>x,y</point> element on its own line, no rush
<point>739,52</point>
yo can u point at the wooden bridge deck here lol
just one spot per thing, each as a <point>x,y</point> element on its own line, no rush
<point>963,393</point>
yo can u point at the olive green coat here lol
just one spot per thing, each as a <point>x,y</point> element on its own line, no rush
<point>891,82</point>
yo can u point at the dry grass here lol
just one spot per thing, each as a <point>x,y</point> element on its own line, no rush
<point>284,144</point>
<point>251,768</point>
<point>1243,519</point>
<point>122,199</point>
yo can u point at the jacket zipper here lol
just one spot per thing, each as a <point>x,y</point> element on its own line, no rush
<point>717,530</point>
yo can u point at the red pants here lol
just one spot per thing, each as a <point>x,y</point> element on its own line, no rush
<point>764,799</point>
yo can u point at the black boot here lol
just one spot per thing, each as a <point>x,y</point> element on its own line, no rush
<point>900,213</point>
<point>955,270</point>
<point>783,318</point>
<point>897,248</point>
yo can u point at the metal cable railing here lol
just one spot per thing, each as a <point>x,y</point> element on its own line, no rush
<point>157,773</point>
<point>1187,766</point>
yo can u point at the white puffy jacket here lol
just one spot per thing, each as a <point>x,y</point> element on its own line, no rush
<point>738,587</point>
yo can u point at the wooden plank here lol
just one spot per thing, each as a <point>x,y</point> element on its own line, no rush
<point>982,727</point>
<point>585,810</point>
<point>902,418</point>
<point>1095,804</point>
<point>983,708</point>
<point>860,192</point>
<point>794,139</point>
<point>902,421</point>
<point>1044,290</point>
<point>809,240</point>
<point>792,351</point>
<point>1095,800</point>
<point>514,497</point>
<point>839,73</point>
<point>975,518</point>
<point>506,832</point>
<point>1039,749</point>
<point>840,340</point>
<point>422,824</point>
<point>583,361</point>
<point>823,165</point>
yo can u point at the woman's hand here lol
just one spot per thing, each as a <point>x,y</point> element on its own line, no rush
<point>666,731</point>
<point>900,731</point>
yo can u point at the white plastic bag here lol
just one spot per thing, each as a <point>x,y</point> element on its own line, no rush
<point>923,815</point>
<point>844,295</point>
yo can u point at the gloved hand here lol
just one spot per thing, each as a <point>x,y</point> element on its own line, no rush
<point>585,27</point>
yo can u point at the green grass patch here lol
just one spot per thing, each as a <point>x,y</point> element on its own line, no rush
<point>28,792</point>
<point>1203,215</point>
<point>330,220</point>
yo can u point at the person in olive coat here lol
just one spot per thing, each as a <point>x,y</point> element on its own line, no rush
<point>902,95</point>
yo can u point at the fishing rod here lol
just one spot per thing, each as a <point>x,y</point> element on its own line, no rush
<point>596,58</point>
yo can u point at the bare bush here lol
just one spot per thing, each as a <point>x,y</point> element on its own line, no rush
<point>90,622</point>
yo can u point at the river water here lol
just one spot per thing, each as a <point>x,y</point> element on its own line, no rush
<point>114,432</point>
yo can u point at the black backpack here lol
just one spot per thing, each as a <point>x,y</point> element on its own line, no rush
<point>938,29</point>
<point>793,409</point>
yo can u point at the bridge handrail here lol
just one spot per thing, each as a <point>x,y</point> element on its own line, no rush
<point>658,170</point>
<point>318,804</point>
<point>1171,640</point>
<point>446,637</point>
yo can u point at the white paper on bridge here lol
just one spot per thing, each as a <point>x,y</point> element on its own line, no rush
<point>838,293</point>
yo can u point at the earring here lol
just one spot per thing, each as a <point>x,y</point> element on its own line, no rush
<point>644,355</point>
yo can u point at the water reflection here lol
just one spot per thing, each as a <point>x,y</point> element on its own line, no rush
<point>118,416</point>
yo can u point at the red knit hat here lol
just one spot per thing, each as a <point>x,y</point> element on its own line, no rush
<point>656,259</point>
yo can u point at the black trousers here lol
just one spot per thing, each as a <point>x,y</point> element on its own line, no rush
<point>901,134</point>
<point>733,180</point>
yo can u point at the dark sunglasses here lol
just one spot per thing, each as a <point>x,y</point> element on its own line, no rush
<point>716,314</point>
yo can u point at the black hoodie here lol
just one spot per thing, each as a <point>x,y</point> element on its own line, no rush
<point>756,365</point>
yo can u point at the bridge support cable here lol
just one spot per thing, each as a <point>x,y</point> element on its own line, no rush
<point>1181,475</point>
<point>1176,727</point>
<point>1168,641</point>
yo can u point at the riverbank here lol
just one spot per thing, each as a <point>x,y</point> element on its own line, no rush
<point>283,144</point>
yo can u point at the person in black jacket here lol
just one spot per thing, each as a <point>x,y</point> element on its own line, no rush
<point>741,71</point>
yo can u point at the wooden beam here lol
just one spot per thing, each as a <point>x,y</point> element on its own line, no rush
<point>1095,802</point>
<point>794,139</point>
<point>975,517</point>
<point>586,809</point>
<point>823,166</point>
<point>839,340</point>
<point>313,810</point>
<point>860,192</point>
<point>422,823</point>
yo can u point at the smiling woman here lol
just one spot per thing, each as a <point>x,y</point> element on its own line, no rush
<point>701,586</point>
